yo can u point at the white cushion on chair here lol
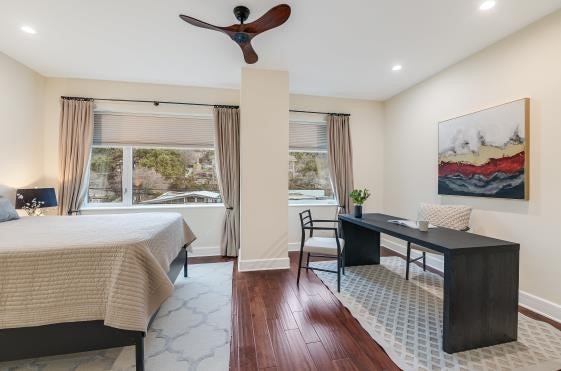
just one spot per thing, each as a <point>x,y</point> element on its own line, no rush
<point>323,245</point>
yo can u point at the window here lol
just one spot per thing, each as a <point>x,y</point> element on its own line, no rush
<point>308,168</point>
<point>147,160</point>
<point>174,176</point>
<point>106,175</point>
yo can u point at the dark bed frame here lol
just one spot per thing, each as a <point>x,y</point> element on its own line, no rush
<point>73,337</point>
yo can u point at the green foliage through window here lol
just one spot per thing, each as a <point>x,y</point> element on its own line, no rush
<point>157,171</point>
<point>308,176</point>
<point>159,176</point>
<point>106,172</point>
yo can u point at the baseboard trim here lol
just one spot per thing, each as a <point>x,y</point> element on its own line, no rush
<point>534,303</point>
<point>294,246</point>
<point>263,264</point>
<point>198,251</point>
<point>541,306</point>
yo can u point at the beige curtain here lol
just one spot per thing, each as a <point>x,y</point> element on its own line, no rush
<point>75,141</point>
<point>227,151</point>
<point>340,159</point>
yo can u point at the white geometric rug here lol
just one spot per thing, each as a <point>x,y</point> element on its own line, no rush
<point>191,331</point>
<point>405,318</point>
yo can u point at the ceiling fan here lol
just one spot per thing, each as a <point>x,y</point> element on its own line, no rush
<point>243,33</point>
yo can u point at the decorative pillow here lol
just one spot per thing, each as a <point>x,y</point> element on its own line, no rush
<point>447,216</point>
<point>7,211</point>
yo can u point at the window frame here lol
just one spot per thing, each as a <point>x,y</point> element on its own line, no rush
<point>93,205</point>
<point>127,182</point>
<point>128,172</point>
<point>326,202</point>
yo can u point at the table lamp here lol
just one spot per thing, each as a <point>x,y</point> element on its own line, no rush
<point>33,200</point>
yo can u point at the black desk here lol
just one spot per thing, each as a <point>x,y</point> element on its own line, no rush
<point>480,277</point>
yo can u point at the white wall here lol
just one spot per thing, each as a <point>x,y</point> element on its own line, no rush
<point>264,170</point>
<point>21,128</point>
<point>525,64</point>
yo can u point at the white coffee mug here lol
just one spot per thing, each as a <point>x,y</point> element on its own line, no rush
<point>423,225</point>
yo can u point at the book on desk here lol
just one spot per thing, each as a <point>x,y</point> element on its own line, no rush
<point>409,223</point>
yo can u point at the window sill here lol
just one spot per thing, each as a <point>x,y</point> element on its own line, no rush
<point>88,208</point>
<point>149,207</point>
<point>308,203</point>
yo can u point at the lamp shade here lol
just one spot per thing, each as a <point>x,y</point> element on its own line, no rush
<point>45,195</point>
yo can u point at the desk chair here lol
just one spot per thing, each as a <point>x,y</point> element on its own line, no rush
<point>325,247</point>
<point>447,216</point>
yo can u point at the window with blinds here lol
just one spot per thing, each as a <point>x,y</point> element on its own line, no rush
<point>145,159</point>
<point>308,136</point>
<point>308,170</point>
<point>125,129</point>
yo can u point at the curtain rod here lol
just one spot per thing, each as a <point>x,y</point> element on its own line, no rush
<point>157,103</point>
<point>320,113</point>
<point>154,102</point>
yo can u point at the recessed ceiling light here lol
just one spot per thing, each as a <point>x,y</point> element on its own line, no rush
<point>486,5</point>
<point>28,29</point>
<point>397,67</point>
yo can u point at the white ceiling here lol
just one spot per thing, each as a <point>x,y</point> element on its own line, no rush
<point>330,47</point>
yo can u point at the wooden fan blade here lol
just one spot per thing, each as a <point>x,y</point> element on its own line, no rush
<point>198,23</point>
<point>249,53</point>
<point>273,18</point>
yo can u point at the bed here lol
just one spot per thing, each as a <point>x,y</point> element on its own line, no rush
<point>79,283</point>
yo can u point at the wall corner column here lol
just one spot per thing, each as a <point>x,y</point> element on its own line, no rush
<point>264,105</point>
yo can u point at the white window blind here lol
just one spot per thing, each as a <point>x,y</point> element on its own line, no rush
<point>126,129</point>
<point>307,136</point>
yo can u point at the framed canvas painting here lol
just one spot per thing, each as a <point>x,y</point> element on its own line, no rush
<point>486,153</point>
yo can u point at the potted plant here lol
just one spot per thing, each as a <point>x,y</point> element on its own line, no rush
<point>359,196</point>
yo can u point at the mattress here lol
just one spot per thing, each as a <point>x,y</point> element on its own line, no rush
<point>113,268</point>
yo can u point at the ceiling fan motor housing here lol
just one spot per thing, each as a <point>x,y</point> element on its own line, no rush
<point>241,13</point>
<point>241,37</point>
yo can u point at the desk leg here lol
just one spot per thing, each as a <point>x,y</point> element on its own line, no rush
<point>362,245</point>
<point>480,298</point>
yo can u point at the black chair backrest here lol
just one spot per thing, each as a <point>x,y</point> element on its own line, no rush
<point>306,221</point>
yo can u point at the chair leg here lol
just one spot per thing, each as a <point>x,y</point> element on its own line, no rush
<point>343,261</point>
<point>308,262</point>
<point>186,261</point>
<point>299,266</point>
<point>424,261</point>
<point>407,260</point>
<point>339,273</point>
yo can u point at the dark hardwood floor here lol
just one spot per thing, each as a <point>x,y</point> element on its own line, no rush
<point>278,326</point>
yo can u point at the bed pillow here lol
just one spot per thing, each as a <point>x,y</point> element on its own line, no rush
<point>7,211</point>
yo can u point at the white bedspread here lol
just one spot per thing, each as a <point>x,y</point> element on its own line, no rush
<point>80,268</point>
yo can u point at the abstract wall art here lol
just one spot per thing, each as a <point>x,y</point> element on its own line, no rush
<point>486,153</point>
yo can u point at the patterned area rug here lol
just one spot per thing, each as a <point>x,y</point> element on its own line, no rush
<point>191,331</point>
<point>405,318</point>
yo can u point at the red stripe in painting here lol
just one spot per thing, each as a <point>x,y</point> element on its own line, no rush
<point>508,165</point>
